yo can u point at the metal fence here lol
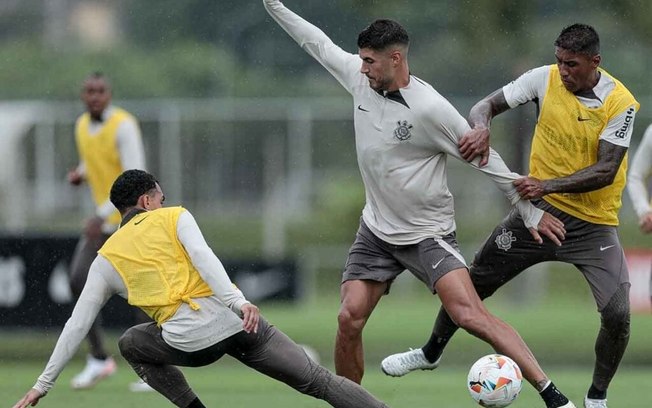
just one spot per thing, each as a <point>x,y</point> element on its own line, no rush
<point>263,157</point>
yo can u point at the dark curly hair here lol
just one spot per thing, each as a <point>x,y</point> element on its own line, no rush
<point>129,186</point>
<point>381,34</point>
<point>580,39</point>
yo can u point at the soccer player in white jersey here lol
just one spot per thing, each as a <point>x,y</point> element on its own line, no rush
<point>577,173</point>
<point>639,176</point>
<point>404,132</point>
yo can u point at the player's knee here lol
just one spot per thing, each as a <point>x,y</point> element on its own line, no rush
<point>471,320</point>
<point>616,319</point>
<point>126,345</point>
<point>616,315</point>
<point>350,322</point>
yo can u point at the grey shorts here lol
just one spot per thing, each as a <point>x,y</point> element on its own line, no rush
<point>594,249</point>
<point>371,258</point>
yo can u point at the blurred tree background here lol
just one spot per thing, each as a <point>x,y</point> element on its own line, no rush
<point>217,48</point>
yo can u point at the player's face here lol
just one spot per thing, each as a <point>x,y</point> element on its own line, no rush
<point>378,67</point>
<point>96,95</point>
<point>578,71</point>
<point>154,201</point>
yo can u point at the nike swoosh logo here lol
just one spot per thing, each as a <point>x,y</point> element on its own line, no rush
<point>434,266</point>
<point>362,109</point>
<point>581,119</point>
<point>605,248</point>
<point>139,221</point>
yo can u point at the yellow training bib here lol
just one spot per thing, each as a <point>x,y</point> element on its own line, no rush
<point>566,140</point>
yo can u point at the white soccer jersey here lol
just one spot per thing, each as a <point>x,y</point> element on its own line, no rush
<point>532,86</point>
<point>639,174</point>
<point>403,139</point>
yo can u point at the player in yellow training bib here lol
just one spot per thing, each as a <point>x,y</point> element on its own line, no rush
<point>578,163</point>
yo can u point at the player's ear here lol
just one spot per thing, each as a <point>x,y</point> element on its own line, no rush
<point>396,56</point>
<point>595,60</point>
<point>143,201</point>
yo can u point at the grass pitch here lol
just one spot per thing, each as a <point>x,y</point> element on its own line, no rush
<point>559,331</point>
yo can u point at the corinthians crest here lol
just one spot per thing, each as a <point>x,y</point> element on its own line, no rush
<point>402,131</point>
<point>504,240</point>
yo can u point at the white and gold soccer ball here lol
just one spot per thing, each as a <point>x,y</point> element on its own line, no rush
<point>494,381</point>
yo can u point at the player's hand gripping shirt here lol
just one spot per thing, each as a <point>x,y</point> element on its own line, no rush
<point>402,139</point>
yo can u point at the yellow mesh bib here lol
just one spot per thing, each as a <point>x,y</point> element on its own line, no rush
<point>154,266</point>
<point>566,140</point>
<point>101,156</point>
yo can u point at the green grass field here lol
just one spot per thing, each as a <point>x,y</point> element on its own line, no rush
<point>559,331</point>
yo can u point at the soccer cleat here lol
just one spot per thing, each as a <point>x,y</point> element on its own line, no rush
<point>140,386</point>
<point>595,403</point>
<point>94,371</point>
<point>397,365</point>
<point>568,405</point>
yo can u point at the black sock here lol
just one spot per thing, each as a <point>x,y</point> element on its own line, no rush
<point>595,393</point>
<point>434,347</point>
<point>553,397</point>
<point>196,403</point>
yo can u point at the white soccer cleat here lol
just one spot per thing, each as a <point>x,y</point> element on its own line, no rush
<point>569,405</point>
<point>94,371</point>
<point>595,403</point>
<point>140,386</point>
<point>397,365</point>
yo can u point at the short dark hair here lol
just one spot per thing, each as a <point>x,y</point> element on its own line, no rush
<point>579,38</point>
<point>98,75</point>
<point>381,34</point>
<point>129,186</point>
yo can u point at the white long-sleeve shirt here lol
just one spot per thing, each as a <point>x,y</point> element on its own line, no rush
<point>188,330</point>
<point>639,174</point>
<point>403,139</point>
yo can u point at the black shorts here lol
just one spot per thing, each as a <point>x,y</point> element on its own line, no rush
<point>594,249</point>
<point>371,258</point>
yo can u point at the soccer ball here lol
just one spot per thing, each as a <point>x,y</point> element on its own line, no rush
<point>494,381</point>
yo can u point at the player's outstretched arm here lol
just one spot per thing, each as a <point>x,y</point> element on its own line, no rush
<point>475,143</point>
<point>30,399</point>
<point>342,65</point>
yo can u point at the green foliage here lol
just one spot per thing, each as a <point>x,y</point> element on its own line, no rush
<point>216,48</point>
<point>181,69</point>
<point>338,206</point>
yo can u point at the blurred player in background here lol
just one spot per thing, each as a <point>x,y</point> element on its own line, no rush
<point>108,142</point>
<point>577,173</point>
<point>159,261</point>
<point>637,185</point>
<point>404,131</point>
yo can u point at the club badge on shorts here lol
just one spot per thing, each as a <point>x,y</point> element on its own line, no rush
<point>504,240</point>
<point>402,131</point>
